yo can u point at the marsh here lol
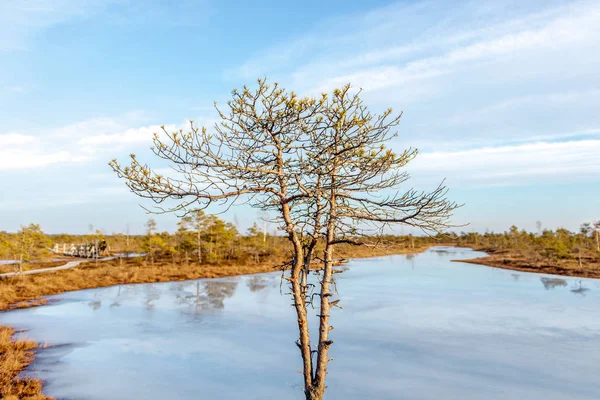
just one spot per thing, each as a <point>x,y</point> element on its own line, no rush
<point>418,327</point>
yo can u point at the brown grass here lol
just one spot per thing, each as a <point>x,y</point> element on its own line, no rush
<point>590,268</point>
<point>348,251</point>
<point>15,355</point>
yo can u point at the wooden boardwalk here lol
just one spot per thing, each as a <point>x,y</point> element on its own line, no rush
<point>69,265</point>
<point>87,250</point>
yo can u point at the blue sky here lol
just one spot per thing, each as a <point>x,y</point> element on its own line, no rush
<point>501,97</point>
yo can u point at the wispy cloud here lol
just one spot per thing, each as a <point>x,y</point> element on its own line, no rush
<point>130,137</point>
<point>94,139</point>
<point>371,56</point>
<point>493,91</point>
<point>20,21</point>
<point>578,26</point>
<point>572,161</point>
<point>69,196</point>
<point>57,146</point>
<point>508,107</point>
<point>12,139</point>
<point>20,151</point>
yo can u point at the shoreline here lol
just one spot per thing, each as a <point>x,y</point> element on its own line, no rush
<point>513,262</point>
<point>18,354</point>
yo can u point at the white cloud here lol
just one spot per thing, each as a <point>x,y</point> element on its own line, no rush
<point>118,141</point>
<point>92,139</point>
<point>16,89</point>
<point>88,128</point>
<point>62,145</point>
<point>19,151</point>
<point>70,195</point>
<point>24,158</point>
<point>53,147</point>
<point>11,139</point>
<point>519,164</point>
<point>129,138</point>
<point>506,108</point>
<point>485,74</point>
<point>383,68</point>
<point>20,19</point>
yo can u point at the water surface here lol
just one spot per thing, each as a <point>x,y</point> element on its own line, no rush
<point>412,327</point>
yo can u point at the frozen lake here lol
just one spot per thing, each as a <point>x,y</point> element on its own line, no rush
<point>412,327</point>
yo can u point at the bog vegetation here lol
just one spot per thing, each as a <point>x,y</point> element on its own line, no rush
<point>321,168</point>
<point>557,251</point>
<point>207,239</point>
<point>206,246</point>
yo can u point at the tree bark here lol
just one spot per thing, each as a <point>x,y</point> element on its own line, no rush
<point>199,244</point>
<point>325,295</point>
<point>300,304</point>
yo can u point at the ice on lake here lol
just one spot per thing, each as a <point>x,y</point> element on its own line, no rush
<point>412,327</point>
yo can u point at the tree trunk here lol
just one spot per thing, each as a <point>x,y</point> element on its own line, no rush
<point>300,305</point>
<point>199,244</point>
<point>325,306</point>
<point>21,265</point>
<point>307,261</point>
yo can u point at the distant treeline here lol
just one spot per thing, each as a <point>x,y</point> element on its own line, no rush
<point>550,246</point>
<point>208,239</point>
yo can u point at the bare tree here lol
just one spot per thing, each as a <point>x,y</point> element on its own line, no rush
<point>198,221</point>
<point>127,240</point>
<point>354,181</point>
<point>150,245</point>
<point>30,243</point>
<point>597,234</point>
<point>319,164</point>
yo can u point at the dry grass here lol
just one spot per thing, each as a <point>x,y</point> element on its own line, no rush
<point>15,355</point>
<point>348,251</point>
<point>590,268</point>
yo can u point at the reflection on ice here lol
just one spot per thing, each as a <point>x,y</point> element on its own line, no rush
<point>411,328</point>
<point>580,290</point>
<point>551,283</point>
<point>208,295</point>
<point>259,282</point>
